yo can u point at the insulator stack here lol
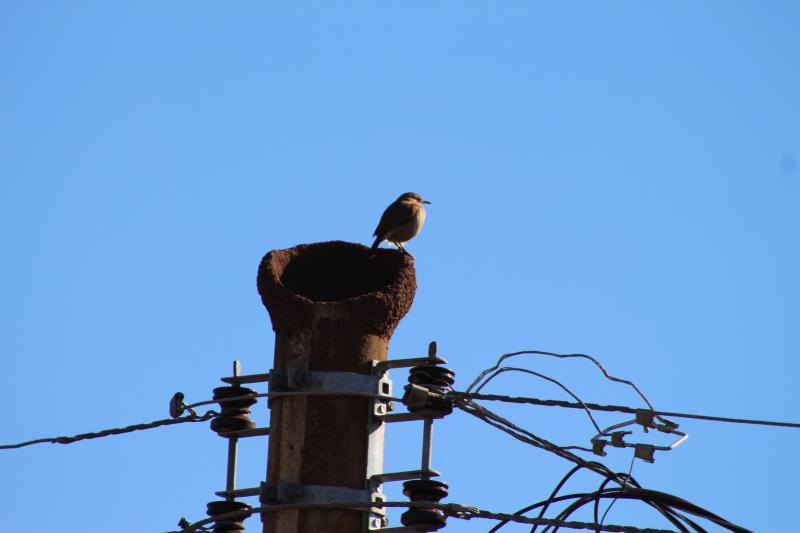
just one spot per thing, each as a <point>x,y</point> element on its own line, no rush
<point>235,414</point>
<point>424,518</point>
<point>217,508</point>
<point>437,380</point>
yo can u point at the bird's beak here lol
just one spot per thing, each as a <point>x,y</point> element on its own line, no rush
<point>425,202</point>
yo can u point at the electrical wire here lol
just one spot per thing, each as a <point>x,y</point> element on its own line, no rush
<point>115,431</point>
<point>625,484</point>
<point>654,496</point>
<point>548,378</point>
<point>563,356</point>
<point>614,408</point>
<point>454,510</point>
<point>555,493</point>
<point>523,435</point>
<point>663,502</point>
<point>288,394</point>
<point>192,417</point>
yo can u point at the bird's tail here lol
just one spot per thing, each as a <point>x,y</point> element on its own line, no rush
<point>377,243</point>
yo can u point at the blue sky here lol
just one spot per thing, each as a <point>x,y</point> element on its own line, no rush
<point>615,178</point>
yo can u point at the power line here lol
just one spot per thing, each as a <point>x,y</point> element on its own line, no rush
<point>614,408</point>
<point>286,394</point>
<point>461,512</point>
<point>663,502</point>
<point>561,356</point>
<point>547,378</point>
<point>526,436</point>
<point>193,417</point>
<point>115,431</point>
<point>545,504</point>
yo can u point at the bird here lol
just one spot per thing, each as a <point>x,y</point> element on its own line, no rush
<point>401,221</point>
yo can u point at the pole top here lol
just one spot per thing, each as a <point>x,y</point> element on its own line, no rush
<point>371,290</point>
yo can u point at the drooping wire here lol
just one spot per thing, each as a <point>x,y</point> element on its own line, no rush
<point>555,493</point>
<point>537,374</point>
<point>454,510</point>
<point>664,503</point>
<point>648,495</point>
<point>561,356</point>
<point>545,504</point>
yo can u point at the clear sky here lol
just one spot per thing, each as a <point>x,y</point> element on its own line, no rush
<point>614,178</point>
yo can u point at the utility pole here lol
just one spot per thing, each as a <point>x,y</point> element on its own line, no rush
<point>334,307</point>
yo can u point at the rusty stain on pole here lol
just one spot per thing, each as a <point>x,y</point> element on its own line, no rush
<point>334,307</point>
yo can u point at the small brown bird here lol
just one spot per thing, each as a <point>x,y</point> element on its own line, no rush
<point>401,221</point>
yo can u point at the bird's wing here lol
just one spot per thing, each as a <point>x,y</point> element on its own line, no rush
<point>397,214</point>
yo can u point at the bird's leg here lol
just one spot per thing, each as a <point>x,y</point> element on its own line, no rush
<point>400,245</point>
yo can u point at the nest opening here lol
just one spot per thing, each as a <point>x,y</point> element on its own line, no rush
<point>330,274</point>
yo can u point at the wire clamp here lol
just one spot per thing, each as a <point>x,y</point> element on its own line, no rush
<point>461,511</point>
<point>644,452</point>
<point>618,438</point>
<point>177,406</point>
<point>598,447</point>
<point>645,419</point>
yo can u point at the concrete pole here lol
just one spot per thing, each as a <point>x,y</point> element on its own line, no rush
<point>333,307</point>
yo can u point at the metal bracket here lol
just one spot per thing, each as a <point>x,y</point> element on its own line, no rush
<point>295,493</point>
<point>410,417</point>
<point>250,378</point>
<point>403,476</point>
<point>641,451</point>
<point>297,379</point>
<point>432,359</point>
<point>237,378</point>
<point>244,433</point>
<point>286,492</point>
<point>239,493</point>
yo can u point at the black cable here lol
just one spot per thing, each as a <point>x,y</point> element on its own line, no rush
<point>615,408</point>
<point>537,505</point>
<point>548,378</point>
<point>597,500</point>
<point>523,435</point>
<point>648,495</point>
<point>610,505</point>
<point>554,493</point>
<point>563,356</point>
<point>454,510</point>
<point>527,437</point>
<point>662,502</point>
<point>116,431</point>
